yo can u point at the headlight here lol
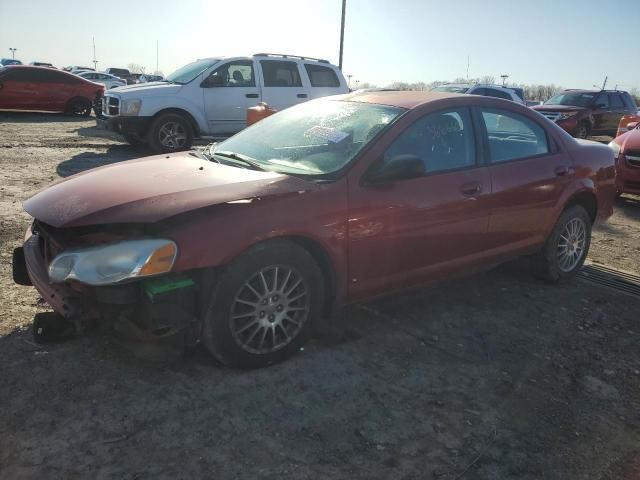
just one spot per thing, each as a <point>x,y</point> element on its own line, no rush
<point>130,107</point>
<point>616,149</point>
<point>108,264</point>
<point>564,116</point>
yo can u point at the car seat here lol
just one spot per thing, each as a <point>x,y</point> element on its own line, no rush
<point>237,76</point>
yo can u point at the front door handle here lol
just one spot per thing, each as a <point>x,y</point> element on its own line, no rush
<point>252,95</point>
<point>470,189</point>
<point>302,95</point>
<point>562,170</point>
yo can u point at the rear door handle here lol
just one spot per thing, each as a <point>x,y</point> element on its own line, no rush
<point>562,170</point>
<point>252,95</point>
<point>302,95</point>
<point>470,189</point>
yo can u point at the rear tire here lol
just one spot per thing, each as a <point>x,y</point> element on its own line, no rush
<point>265,306</point>
<point>79,107</point>
<point>566,247</point>
<point>170,132</point>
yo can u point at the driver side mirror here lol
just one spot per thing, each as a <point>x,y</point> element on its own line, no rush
<point>213,81</point>
<point>400,167</point>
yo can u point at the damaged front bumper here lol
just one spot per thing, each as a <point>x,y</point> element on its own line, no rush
<point>145,309</point>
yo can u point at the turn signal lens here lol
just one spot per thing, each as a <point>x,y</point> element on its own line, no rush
<point>160,261</point>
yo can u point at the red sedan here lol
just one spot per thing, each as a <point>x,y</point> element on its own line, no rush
<point>626,149</point>
<point>251,244</point>
<point>46,90</point>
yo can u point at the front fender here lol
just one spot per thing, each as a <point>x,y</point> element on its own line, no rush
<point>155,105</point>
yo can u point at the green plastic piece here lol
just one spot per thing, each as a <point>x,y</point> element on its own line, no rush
<point>160,286</point>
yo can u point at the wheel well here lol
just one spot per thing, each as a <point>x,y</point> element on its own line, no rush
<point>184,113</point>
<point>75,99</point>
<point>588,201</point>
<point>321,256</point>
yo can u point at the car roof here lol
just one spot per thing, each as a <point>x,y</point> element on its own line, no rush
<point>402,99</point>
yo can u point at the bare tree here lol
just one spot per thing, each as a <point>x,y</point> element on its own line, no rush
<point>487,80</point>
<point>135,68</point>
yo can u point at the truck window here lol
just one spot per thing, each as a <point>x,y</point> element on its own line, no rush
<point>321,76</point>
<point>602,100</point>
<point>493,92</point>
<point>616,101</point>
<point>278,73</point>
<point>236,74</point>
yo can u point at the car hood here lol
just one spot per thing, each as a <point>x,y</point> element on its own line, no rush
<point>152,189</point>
<point>160,88</point>
<point>557,108</point>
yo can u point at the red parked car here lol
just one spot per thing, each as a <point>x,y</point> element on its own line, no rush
<point>249,245</point>
<point>44,89</point>
<point>626,149</point>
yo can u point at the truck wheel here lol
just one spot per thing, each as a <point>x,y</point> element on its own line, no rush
<point>79,107</point>
<point>170,133</point>
<point>583,130</point>
<point>265,306</point>
<point>567,246</point>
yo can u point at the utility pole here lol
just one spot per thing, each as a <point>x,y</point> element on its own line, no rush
<point>95,62</point>
<point>467,67</point>
<point>13,52</point>
<point>605,82</point>
<point>504,77</point>
<point>344,7</point>
<point>157,44</point>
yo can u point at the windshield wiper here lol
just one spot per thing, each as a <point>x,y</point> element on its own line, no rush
<point>238,157</point>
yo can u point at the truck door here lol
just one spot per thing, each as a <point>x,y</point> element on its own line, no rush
<point>282,83</point>
<point>228,91</point>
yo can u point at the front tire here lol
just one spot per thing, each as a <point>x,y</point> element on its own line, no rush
<point>265,306</point>
<point>584,130</point>
<point>170,133</point>
<point>567,247</point>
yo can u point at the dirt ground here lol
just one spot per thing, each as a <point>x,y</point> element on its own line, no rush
<point>496,376</point>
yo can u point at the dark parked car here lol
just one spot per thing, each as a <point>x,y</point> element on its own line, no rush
<point>626,148</point>
<point>47,90</point>
<point>41,64</point>
<point>5,62</point>
<point>122,73</point>
<point>250,245</point>
<point>588,112</point>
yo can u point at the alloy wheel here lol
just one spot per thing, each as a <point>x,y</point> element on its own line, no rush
<point>269,309</point>
<point>571,244</point>
<point>172,135</point>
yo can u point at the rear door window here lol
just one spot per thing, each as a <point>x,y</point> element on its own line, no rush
<point>278,73</point>
<point>616,101</point>
<point>512,136</point>
<point>321,76</point>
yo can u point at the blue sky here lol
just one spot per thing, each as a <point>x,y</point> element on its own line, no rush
<point>573,43</point>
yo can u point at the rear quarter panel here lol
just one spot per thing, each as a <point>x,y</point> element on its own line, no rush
<point>595,172</point>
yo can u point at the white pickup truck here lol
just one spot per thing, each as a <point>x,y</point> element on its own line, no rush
<point>210,97</point>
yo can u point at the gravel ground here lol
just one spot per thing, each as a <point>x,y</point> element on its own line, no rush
<point>496,376</point>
